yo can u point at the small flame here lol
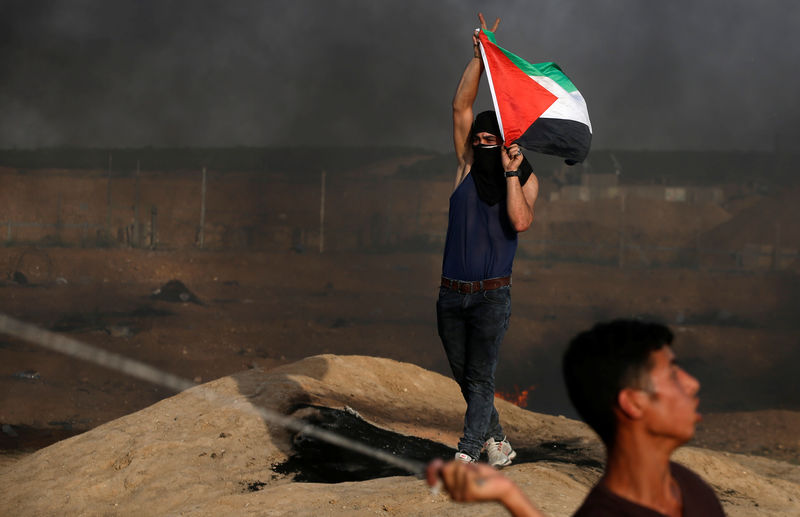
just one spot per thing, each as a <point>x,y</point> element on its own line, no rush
<point>517,397</point>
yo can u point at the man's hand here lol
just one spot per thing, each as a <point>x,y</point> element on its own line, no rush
<point>471,482</point>
<point>476,51</point>
<point>483,23</point>
<point>466,482</point>
<point>511,157</point>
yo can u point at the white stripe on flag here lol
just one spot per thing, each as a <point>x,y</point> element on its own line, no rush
<point>569,106</point>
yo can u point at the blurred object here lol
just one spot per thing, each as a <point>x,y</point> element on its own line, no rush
<point>175,291</point>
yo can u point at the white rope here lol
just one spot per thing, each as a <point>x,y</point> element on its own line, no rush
<point>145,372</point>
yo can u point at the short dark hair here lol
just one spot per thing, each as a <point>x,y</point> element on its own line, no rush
<point>601,362</point>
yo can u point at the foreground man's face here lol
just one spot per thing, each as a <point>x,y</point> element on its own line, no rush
<point>672,406</point>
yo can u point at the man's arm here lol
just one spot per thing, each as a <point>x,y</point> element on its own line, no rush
<point>465,96</point>
<point>471,482</point>
<point>519,199</point>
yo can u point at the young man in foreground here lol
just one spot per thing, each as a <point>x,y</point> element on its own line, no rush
<point>623,380</point>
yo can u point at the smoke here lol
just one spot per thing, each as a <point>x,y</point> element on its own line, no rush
<point>667,75</point>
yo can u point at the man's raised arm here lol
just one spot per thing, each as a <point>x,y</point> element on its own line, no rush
<point>465,96</point>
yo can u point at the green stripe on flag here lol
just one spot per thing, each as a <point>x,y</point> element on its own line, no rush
<point>551,70</point>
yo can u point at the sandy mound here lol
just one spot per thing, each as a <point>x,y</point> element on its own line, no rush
<point>190,456</point>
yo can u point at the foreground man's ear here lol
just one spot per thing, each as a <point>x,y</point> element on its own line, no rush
<point>631,402</point>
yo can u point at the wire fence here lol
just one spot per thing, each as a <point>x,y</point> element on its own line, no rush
<point>634,255</point>
<point>314,212</point>
<point>374,235</point>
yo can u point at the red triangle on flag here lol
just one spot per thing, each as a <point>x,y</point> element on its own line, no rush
<point>519,99</point>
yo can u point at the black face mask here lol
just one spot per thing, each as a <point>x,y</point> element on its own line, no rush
<point>488,174</point>
<point>487,166</point>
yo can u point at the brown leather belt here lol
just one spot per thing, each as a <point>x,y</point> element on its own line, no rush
<point>476,286</point>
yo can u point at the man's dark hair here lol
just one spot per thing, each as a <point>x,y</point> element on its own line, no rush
<point>601,362</point>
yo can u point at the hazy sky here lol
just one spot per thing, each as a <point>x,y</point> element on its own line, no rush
<point>681,74</point>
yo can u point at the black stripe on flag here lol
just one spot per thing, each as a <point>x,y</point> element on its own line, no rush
<point>560,137</point>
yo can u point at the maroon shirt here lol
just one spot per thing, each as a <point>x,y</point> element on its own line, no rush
<point>699,499</point>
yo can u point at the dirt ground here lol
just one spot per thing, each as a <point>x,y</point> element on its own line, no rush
<point>207,452</point>
<point>735,331</point>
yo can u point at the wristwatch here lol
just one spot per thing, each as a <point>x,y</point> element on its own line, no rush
<point>512,173</point>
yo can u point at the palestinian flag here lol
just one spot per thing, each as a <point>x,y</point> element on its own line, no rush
<point>537,105</point>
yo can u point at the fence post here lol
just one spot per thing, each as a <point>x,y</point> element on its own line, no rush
<point>153,226</point>
<point>59,222</point>
<point>137,241</point>
<point>322,213</point>
<point>698,251</point>
<point>202,210</point>
<point>108,218</point>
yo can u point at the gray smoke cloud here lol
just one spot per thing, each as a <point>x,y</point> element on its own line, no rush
<point>656,75</point>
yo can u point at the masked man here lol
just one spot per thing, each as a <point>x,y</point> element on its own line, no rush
<point>493,201</point>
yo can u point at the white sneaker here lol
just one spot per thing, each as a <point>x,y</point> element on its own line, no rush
<point>464,457</point>
<point>500,453</point>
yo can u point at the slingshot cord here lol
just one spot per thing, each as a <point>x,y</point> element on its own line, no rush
<point>145,372</point>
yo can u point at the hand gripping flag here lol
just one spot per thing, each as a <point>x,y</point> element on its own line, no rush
<point>537,105</point>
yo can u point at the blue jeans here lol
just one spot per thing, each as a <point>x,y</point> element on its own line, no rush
<point>471,327</point>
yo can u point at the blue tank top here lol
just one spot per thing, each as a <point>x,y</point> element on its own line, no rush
<point>481,242</point>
